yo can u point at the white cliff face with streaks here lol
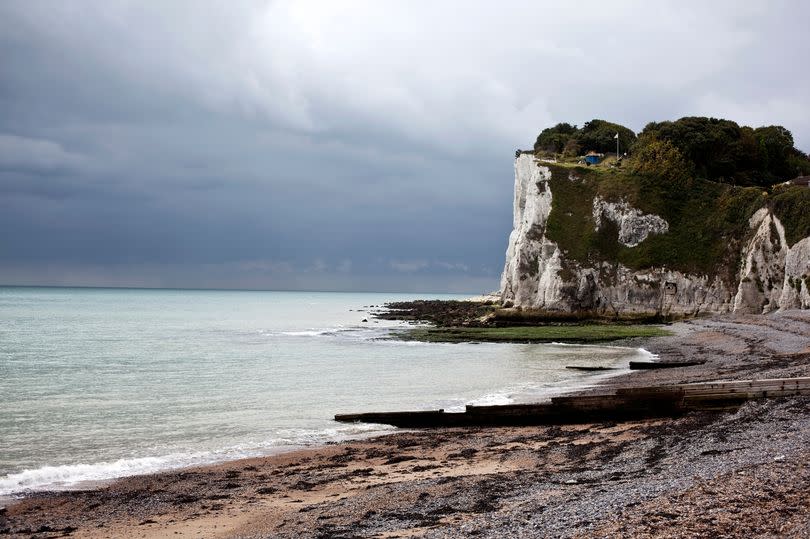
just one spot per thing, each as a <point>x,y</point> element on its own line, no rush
<point>529,251</point>
<point>536,274</point>
<point>763,265</point>
<point>796,288</point>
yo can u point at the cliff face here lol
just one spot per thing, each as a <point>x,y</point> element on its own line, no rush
<point>588,243</point>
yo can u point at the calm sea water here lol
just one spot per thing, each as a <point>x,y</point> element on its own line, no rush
<point>103,383</point>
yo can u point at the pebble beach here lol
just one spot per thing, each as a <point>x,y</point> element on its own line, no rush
<point>722,474</point>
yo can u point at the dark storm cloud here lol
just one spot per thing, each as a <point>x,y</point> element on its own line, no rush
<point>352,145</point>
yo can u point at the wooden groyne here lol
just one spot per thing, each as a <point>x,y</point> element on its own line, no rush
<point>622,404</point>
<point>639,365</point>
<point>656,365</point>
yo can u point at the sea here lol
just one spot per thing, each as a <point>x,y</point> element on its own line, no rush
<point>97,384</point>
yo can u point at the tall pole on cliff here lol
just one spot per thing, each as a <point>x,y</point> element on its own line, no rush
<point>617,146</point>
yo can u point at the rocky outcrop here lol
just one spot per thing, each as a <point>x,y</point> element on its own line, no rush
<point>796,286</point>
<point>538,273</point>
<point>763,271</point>
<point>634,225</point>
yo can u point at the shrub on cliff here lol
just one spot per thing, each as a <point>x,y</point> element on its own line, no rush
<point>661,159</point>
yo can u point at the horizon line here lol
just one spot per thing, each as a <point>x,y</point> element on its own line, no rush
<point>199,289</point>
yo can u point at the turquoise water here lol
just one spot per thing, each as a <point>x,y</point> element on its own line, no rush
<point>102,383</point>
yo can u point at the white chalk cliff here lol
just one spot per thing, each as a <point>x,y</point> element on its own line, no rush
<point>537,274</point>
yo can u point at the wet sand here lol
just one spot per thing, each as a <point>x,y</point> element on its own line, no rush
<point>739,474</point>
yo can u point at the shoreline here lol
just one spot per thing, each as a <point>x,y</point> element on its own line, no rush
<point>578,381</point>
<point>502,481</point>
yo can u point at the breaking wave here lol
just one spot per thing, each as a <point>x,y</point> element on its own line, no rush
<point>68,476</point>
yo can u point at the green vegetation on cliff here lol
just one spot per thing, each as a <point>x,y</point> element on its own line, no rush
<point>792,206</point>
<point>695,147</point>
<point>707,220</point>
<point>596,135</point>
<point>721,150</point>
<point>705,176</point>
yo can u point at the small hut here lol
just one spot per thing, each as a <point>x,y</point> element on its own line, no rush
<point>593,158</point>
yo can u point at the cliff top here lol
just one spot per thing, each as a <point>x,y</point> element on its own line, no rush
<point>692,147</point>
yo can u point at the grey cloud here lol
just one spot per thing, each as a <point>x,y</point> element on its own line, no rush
<point>36,156</point>
<point>323,145</point>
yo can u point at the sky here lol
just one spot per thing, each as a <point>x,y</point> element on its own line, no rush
<point>353,145</point>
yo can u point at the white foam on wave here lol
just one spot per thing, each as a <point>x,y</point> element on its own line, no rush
<point>492,399</point>
<point>289,438</point>
<point>313,332</point>
<point>374,334</point>
<point>648,354</point>
<point>68,476</point>
<point>354,332</point>
<point>307,333</point>
<point>61,477</point>
<point>583,345</point>
<point>386,340</point>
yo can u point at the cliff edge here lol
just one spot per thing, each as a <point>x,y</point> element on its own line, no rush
<point>612,243</point>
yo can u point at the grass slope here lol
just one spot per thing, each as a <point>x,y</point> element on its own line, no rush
<point>707,221</point>
<point>792,207</point>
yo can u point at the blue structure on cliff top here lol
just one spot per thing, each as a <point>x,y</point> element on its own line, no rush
<point>593,158</point>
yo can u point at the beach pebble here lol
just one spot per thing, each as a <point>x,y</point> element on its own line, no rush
<point>779,458</point>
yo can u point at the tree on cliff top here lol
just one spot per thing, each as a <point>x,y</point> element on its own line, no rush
<point>721,150</point>
<point>596,135</point>
<point>554,139</point>
<point>599,136</point>
<point>709,148</point>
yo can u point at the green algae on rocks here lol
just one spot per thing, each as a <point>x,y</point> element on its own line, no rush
<point>575,334</point>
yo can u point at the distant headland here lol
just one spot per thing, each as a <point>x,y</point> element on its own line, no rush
<point>692,216</point>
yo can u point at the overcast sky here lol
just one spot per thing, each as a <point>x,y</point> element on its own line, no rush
<point>337,145</point>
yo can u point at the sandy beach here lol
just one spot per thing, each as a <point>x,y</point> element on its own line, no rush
<point>720,474</point>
